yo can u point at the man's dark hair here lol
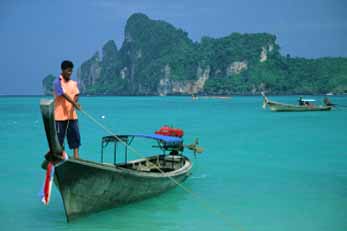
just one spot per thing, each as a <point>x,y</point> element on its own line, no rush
<point>66,64</point>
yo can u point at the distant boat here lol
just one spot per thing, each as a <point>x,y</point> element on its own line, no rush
<point>329,94</point>
<point>217,97</point>
<point>281,107</point>
<point>87,187</point>
<point>221,97</point>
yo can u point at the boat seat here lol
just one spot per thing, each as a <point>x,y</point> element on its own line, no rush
<point>171,158</point>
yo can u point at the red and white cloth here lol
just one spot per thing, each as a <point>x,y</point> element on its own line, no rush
<point>47,186</point>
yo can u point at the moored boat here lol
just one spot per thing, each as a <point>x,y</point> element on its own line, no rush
<point>217,97</point>
<point>87,186</point>
<point>282,107</point>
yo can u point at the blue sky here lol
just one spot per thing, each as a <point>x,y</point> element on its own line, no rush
<point>36,35</point>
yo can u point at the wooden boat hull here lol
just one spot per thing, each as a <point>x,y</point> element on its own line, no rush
<point>88,187</point>
<point>279,107</point>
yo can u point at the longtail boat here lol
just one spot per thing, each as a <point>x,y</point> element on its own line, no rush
<point>87,187</point>
<point>282,107</point>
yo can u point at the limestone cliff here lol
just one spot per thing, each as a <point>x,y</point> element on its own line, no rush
<point>158,59</point>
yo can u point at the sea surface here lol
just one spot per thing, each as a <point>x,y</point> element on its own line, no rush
<point>260,171</point>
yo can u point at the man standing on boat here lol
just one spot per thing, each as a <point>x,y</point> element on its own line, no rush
<point>66,94</point>
<point>327,102</point>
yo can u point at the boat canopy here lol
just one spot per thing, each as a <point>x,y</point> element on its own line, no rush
<point>166,139</point>
<point>308,100</point>
<point>165,143</point>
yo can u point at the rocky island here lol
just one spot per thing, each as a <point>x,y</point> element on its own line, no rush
<point>158,59</point>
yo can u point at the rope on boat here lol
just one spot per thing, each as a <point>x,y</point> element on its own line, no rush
<point>198,197</point>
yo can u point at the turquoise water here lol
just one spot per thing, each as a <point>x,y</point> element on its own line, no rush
<point>260,170</point>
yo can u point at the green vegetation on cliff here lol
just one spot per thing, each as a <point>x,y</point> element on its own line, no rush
<point>158,59</point>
